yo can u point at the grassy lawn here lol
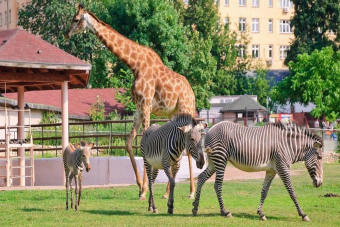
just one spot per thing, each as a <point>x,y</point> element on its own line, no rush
<point>119,206</point>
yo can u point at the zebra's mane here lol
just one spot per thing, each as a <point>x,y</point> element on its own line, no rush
<point>296,129</point>
<point>184,118</point>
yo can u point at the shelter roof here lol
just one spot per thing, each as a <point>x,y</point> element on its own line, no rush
<point>80,100</point>
<point>27,60</point>
<point>241,103</point>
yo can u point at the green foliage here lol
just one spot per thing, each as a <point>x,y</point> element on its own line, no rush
<point>49,117</point>
<point>312,22</point>
<point>97,110</point>
<point>313,78</point>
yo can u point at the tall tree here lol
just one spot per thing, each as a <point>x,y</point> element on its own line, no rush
<point>313,78</point>
<point>313,22</point>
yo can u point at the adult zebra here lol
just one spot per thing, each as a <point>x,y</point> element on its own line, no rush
<point>272,148</point>
<point>162,148</point>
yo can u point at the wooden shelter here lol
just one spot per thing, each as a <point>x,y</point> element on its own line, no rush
<point>28,63</point>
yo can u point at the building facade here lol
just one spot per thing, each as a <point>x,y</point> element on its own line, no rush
<point>267,22</point>
<point>9,12</point>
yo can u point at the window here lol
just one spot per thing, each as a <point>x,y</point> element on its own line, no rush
<point>270,25</point>
<point>226,2</point>
<point>283,51</point>
<point>255,51</point>
<point>255,3</point>
<point>226,20</point>
<point>186,2</point>
<point>10,16</point>
<point>242,24</point>
<point>0,19</point>
<point>285,26</point>
<point>255,25</point>
<point>5,17</point>
<point>242,51</point>
<point>242,2</point>
<point>270,51</point>
<point>270,3</point>
<point>286,3</point>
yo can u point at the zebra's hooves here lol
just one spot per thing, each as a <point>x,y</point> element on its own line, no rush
<point>263,218</point>
<point>150,209</point>
<point>164,197</point>
<point>155,211</point>
<point>227,215</point>
<point>305,218</point>
<point>170,211</point>
<point>194,212</point>
<point>142,198</point>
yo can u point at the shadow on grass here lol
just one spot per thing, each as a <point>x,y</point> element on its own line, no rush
<point>254,217</point>
<point>109,212</point>
<point>32,209</point>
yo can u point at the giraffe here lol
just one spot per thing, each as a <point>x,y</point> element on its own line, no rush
<point>156,88</point>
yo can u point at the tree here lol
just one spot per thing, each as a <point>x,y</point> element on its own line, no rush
<point>313,78</point>
<point>312,23</point>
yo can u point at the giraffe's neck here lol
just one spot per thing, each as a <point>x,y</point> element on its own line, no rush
<point>123,48</point>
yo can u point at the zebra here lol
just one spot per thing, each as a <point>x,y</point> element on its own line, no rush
<point>272,148</point>
<point>73,159</point>
<point>162,148</point>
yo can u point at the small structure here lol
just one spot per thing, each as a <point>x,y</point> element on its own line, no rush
<point>244,109</point>
<point>28,63</point>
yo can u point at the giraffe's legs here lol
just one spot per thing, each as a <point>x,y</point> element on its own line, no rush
<point>145,186</point>
<point>131,137</point>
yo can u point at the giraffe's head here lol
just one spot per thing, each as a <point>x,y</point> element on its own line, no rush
<point>86,153</point>
<point>78,23</point>
<point>193,142</point>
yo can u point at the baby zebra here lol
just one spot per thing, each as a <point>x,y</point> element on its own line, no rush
<point>162,148</point>
<point>73,158</point>
<point>272,148</point>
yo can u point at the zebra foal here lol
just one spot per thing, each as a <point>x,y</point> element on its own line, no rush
<point>73,159</point>
<point>272,148</point>
<point>162,148</point>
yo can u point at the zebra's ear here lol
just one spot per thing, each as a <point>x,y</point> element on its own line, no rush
<point>317,145</point>
<point>201,126</point>
<point>186,128</point>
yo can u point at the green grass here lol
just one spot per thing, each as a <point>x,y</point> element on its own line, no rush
<point>118,206</point>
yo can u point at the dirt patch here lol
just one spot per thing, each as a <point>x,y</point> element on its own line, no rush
<point>331,195</point>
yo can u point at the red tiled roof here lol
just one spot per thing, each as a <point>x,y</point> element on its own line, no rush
<point>19,46</point>
<point>79,100</point>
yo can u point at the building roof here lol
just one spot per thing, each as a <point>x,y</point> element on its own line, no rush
<point>27,60</point>
<point>79,100</point>
<point>241,103</point>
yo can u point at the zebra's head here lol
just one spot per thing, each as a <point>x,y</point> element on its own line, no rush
<point>313,162</point>
<point>193,143</point>
<point>86,153</point>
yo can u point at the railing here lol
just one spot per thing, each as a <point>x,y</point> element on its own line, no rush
<point>109,137</point>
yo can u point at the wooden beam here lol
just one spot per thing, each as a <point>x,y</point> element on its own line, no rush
<point>33,77</point>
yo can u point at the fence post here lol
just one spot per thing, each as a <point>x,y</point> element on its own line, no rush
<point>42,141</point>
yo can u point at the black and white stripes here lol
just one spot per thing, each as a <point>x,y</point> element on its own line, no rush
<point>162,148</point>
<point>272,148</point>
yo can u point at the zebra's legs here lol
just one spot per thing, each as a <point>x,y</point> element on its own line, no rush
<point>151,173</point>
<point>80,187</point>
<point>218,189</point>
<point>76,191</point>
<point>266,184</point>
<point>70,182</point>
<point>171,174</point>
<point>285,177</point>
<point>202,178</point>
<point>67,186</point>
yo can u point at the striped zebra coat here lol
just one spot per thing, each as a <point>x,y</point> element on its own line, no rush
<point>162,148</point>
<point>272,148</point>
<point>73,158</point>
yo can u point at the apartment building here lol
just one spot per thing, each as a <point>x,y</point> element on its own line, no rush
<point>268,23</point>
<point>9,13</point>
